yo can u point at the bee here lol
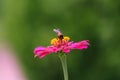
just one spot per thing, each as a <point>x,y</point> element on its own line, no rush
<point>59,34</point>
<point>60,37</point>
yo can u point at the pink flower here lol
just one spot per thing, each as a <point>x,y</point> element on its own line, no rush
<point>60,44</point>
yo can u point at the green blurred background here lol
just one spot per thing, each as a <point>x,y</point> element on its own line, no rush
<point>26,24</point>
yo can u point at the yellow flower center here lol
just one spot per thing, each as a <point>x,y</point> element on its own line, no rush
<point>57,42</point>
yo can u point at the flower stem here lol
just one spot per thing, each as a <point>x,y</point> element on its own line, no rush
<point>63,59</point>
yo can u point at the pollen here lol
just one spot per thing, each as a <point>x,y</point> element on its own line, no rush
<point>57,42</point>
<point>54,40</point>
<point>66,38</point>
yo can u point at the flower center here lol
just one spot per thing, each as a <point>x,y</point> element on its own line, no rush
<point>57,42</point>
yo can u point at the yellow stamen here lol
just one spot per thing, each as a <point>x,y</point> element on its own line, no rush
<point>54,40</point>
<point>57,42</point>
<point>66,38</point>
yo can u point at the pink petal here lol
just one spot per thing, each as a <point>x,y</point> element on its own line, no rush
<point>66,50</point>
<point>69,43</point>
<point>80,45</point>
<point>39,48</point>
<point>43,54</point>
<point>52,49</point>
<point>42,51</point>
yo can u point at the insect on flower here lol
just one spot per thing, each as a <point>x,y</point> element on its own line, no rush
<point>60,44</point>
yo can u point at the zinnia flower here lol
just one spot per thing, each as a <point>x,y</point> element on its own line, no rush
<point>60,44</point>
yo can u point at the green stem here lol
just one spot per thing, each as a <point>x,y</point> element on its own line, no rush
<point>63,59</point>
